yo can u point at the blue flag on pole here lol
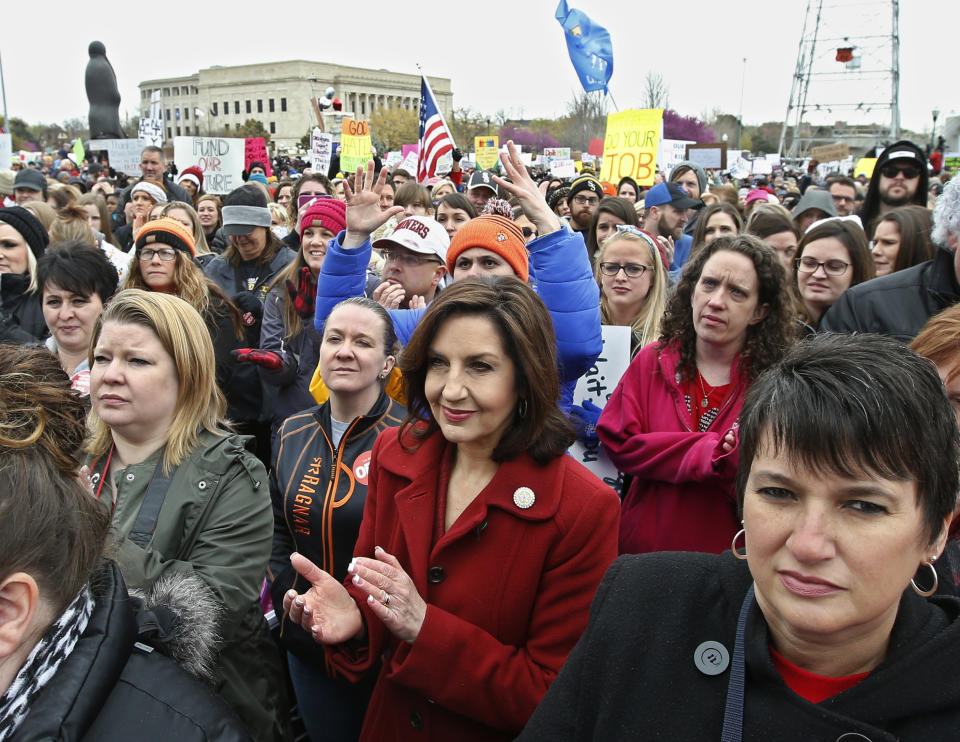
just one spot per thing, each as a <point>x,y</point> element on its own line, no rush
<point>589,47</point>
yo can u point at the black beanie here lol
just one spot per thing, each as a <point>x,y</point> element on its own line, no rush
<point>28,226</point>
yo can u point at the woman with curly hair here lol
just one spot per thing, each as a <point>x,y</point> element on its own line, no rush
<point>671,422</point>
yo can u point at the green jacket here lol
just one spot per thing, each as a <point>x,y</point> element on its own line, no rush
<point>215,522</point>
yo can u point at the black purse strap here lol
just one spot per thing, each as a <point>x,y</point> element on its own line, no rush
<point>149,513</point>
<point>733,712</point>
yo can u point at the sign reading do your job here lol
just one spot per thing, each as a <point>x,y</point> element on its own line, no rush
<point>631,144</point>
<point>221,160</point>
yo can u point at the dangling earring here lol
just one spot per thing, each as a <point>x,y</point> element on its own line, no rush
<point>522,408</point>
<point>936,582</point>
<point>733,544</point>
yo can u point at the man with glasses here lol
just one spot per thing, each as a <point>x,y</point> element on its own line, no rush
<point>899,304</point>
<point>583,199</point>
<point>415,256</point>
<point>899,178</point>
<point>843,190</point>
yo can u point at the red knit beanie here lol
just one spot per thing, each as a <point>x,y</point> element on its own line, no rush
<point>496,234</point>
<point>328,213</point>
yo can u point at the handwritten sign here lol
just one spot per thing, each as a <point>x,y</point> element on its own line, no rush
<point>220,160</point>
<point>255,150</point>
<point>563,169</point>
<point>150,132</point>
<point>6,151</point>
<point>672,152</point>
<point>488,151</point>
<point>830,152</point>
<point>406,149</point>
<point>355,144</point>
<point>556,153</point>
<point>631,144</point>
<point>708,155</point>
<point>124,154</point>
<point>321,149</point>
<point>409,162</point>
<point>597,385</point>
<point>394,158</point>
<point>951,161</point>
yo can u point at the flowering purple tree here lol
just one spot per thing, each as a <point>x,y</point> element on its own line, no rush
<point>676,126</point>
<point>530,140</point>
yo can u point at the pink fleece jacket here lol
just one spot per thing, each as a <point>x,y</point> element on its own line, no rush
<point>682,495</point>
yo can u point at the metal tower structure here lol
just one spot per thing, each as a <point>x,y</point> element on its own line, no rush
<point>846,86</point>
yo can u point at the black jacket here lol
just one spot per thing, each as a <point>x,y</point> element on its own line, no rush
<point>632,675</point>
<point>308,477</point>
<point>21,318</point>
<point>898,304</point>
<point>871,202</point>
<point>115,685</point>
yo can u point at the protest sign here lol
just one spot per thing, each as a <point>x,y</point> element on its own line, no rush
<point>220,160</point>
<point>556,153</point>
<point>762,166</point>
<point>394,158</point>
<point>865,165</point>
<point>321,149</point>
<point>830,152</point>
<point>124,154</point>
<point>150,132</point>
<point>671,152</point>
<point>406,149</point>
<point>597,385</point>
<point>951,161</point>
<point>563,169</point>
<point>409,162</point>
<point>631,144</point>
<point>488,151</point>
<point>6,151</point>
<point>355,144</point>
<point>596,147</point>
<point>709,155</point>
<point>773,158</point>
<point>255,150</point>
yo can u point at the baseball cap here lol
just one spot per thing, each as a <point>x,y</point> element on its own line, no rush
<point>32,180</point>
<point>668,193</point>
<point>419,234</point>
<point>482,179</point>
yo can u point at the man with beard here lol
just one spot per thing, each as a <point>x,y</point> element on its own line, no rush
<point>666,213</point>
<point>899,178</point>
<point>583,199</point>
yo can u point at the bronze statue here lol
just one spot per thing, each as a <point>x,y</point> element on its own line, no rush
<point>103,94</point>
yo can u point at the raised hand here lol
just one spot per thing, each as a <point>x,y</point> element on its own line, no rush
<point>528,193</point>
<point>326,610</point>
<point>363,215</point>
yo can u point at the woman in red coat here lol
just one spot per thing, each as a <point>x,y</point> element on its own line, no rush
<point>481,544</point>
<point>671,421</point>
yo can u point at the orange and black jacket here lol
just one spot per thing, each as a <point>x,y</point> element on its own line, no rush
<point>318,493</point>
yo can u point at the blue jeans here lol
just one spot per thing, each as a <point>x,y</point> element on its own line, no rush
<point>332,709</point>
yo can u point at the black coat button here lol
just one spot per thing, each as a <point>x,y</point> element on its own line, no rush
<point>416,720</point>
<point>436,575</point>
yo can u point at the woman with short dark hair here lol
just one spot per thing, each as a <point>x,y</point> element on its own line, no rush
<point>481,541</point>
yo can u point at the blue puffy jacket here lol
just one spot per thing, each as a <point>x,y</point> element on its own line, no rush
<point>560,272</point>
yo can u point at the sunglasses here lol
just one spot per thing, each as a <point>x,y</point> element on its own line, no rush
<point>892,171</point>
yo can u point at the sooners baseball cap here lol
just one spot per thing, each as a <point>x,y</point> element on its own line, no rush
<point>420,234</point>
<point>668,193</point>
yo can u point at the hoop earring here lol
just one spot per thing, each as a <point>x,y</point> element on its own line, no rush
<point>733,544</point>
<point>522,408</point>
<point>933,589</point>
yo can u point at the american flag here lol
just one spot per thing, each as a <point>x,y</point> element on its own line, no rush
<point>435,138</point>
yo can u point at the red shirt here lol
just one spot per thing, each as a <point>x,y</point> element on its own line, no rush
<point>814,688</point>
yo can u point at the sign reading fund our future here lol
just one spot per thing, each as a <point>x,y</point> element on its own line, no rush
<point>221,160</point>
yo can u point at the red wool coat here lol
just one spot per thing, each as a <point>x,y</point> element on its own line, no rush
<point>508,591</point>
<point>682,494</point>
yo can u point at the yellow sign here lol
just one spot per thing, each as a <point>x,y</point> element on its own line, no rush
<point>355,144</point>
<point>488,152</point>
<point>631,144</point>
<point>865,165</point>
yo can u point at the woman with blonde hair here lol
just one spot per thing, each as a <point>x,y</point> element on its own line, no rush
<point>633,284</point>
<point>185,493</point>
<point>96,207</point>
<point>208,211</point>
<point>73,225</point>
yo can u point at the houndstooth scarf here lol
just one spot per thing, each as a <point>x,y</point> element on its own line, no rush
<point>43,662</point>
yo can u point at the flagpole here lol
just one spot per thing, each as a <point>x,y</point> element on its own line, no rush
<point>610,96</point>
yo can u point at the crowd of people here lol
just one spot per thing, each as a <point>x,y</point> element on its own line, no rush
<point>291,462</point>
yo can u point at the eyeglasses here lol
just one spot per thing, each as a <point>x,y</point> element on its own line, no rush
<point>892,171</point>
<point>585,200</point>
<point>166,254</point>
<point>809,264</point>
<point>406,259</point>
<point>631,269</point>
<point>527,232</point>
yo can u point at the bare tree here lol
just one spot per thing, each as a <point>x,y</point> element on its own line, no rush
<point>586,119</point>
<point>656,94</point>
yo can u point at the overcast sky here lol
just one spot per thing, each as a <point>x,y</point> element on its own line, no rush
<point>498,54</point>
